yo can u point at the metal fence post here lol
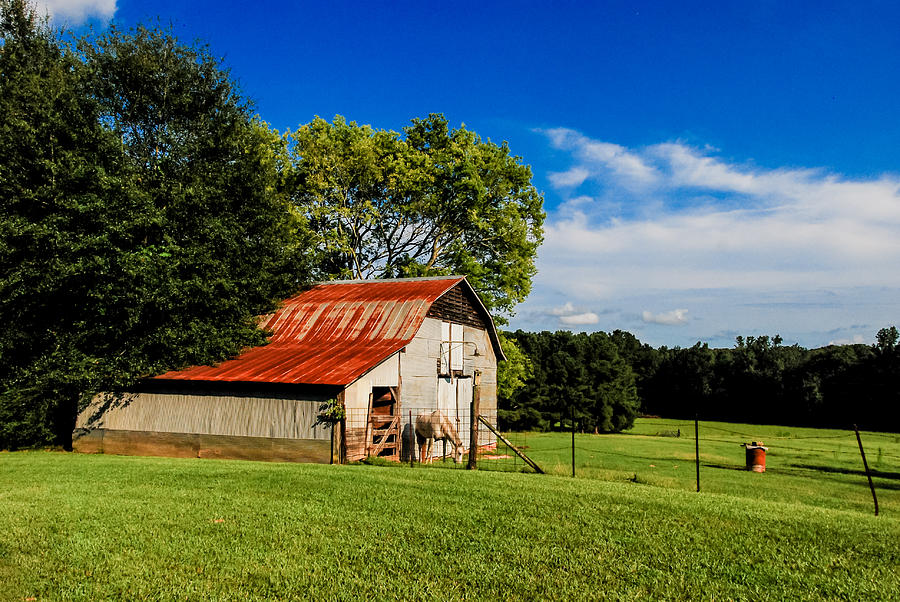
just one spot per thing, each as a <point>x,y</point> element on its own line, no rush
<point>866,466</point>
<point>697,447</point>
<point>572,412</point>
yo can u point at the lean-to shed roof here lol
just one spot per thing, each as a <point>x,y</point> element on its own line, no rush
<point>333,333</point>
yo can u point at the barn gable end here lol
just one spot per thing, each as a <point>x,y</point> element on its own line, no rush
<point>457,305</point>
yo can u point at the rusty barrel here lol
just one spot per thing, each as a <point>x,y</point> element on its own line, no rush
<point>756,456</point>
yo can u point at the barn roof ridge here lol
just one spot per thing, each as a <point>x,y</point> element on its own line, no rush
<point>372,280</point>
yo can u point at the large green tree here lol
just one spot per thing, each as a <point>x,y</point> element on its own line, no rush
<point>142,224</point>
<point>580,376</point>
<point>60,175</point>
<point>430,201</point>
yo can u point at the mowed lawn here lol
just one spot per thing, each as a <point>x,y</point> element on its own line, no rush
<point>78,527</point>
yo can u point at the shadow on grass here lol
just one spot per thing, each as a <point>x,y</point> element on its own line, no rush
<point>603,452</point>
<point>809,470</point>
<point>832,469</point>
<point>724,466</point>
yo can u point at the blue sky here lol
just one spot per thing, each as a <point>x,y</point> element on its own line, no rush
<point>709,168</point>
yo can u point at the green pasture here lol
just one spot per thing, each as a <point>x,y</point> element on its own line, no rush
<point>79,527</point>
<point>816,467</point>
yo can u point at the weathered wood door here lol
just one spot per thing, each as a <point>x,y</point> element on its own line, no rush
<point>383,429</point>
<point>455,401</point>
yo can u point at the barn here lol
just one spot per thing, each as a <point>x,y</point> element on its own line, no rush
<point>386,351</point>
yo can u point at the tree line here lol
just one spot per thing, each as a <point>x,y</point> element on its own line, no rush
<point>148,215</point>
<point>606,380</point>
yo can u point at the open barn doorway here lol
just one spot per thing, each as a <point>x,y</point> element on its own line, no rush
<point>383,432</point>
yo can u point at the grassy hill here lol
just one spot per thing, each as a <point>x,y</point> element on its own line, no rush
<point>76,527</point>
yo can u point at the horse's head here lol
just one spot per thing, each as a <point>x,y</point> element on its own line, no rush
<point>458,452</point>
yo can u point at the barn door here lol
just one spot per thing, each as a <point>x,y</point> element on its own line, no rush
<point>454,401</point>
<point>463,408</point>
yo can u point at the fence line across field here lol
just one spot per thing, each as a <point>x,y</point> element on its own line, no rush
<point>486,447</point>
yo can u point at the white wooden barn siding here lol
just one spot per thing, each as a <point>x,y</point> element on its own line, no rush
<point>424,390</point>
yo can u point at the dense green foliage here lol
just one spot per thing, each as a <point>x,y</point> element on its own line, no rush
<point>434,201</point>
<point>148,216</point>
<point>140,224</point>
<point>759,380</point>
<point>576,377</point>
<point>514,372</point>
<point>75,527</point>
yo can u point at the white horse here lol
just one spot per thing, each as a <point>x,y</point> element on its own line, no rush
<point>434,426</point>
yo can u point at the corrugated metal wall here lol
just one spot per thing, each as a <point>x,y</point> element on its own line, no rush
<point>206,414</point>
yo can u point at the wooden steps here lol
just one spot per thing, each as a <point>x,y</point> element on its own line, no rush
<point>384,437</point>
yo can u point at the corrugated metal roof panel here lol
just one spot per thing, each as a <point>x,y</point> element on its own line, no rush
<point>331,333</point>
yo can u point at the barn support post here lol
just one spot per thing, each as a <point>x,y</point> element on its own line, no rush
<point>473,423</point>
<point>342,444</point>
<point>367,441</point>
<point>412,440</point>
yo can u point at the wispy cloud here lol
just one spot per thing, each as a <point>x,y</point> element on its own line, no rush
<point>75,12</point>
<point>597,155</point>
<point>583,319</point>
<point>567,179</point>
<point>714,224</point>
<point>676,317</point>
<point>569,315</point>
<point>856,339</point>
<point>659,221</point>
<point>563,310</point>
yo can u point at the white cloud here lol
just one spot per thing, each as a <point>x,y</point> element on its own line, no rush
<point>856,339</point>
<point>569,315</point>
<point>676,317</point>
<point>565,310</point>
<point>683,225</point>
<point>568,179</point>
<point>580,319</point>
<point>596,155</point>
<point>75,12</point>
<point>711,224</point>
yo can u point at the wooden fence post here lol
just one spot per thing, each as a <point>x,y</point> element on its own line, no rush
<point>473,427</point>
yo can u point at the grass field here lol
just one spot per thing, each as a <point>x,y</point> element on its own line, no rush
<point>809,466</point>
<point>77,527</point>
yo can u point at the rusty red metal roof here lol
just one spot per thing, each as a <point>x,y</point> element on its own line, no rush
<point>332,333</point>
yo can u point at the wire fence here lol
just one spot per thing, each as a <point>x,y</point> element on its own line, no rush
<point>816,466</point>
<point>402,436</point>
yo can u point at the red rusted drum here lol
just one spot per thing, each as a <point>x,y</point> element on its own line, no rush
<point>756,456</point>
